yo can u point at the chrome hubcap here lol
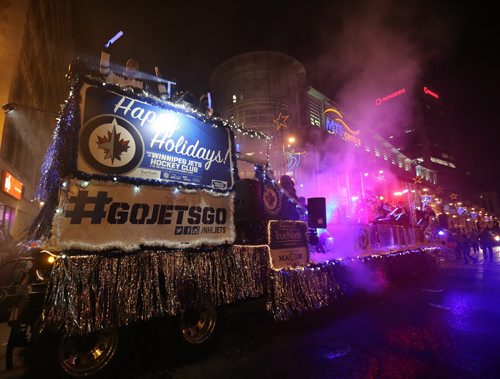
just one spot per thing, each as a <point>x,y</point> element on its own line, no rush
<point>86,355</point>
<point>198,325</point>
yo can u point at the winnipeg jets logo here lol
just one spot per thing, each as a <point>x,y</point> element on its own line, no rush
<point>272,200</point>
<point>111,145</point>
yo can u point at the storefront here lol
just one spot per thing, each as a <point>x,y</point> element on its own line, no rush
<point>15,210</point>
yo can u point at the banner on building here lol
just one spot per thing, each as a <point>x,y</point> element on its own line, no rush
<point>123,136</point>
<point>288,243</point>
<point>97,215</point>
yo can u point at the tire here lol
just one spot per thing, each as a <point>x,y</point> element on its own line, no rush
<point>93,355</point>
<point>197,331</point>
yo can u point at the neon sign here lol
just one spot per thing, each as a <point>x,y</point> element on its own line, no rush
<point>12,186</point>
<point>338,126</point>
<point>427,91</point>
<point>380,100</point>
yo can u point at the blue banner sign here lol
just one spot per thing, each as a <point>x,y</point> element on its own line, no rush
<point>123,136</point>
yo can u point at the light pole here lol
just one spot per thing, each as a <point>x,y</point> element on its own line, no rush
<point>10,107</point>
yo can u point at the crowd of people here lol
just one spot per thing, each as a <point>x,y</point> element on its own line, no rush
<point>469,244</point>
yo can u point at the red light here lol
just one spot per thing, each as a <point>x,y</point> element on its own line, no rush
<point>12,186</point>
<point>427,91</point>
<point>380,100</point>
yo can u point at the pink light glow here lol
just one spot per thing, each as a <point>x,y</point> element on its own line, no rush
<point>380,100</point>
<point>431,93</point>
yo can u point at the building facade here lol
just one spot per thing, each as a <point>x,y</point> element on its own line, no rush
<point>261,90</point>
<point>35,50</point>
<point>425,135</point>
<point>327,152</point>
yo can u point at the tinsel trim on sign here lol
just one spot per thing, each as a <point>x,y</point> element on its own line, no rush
<point>60,159</point>
<point>92,292</point>
<point>127,240</point>
<point>295,291</point>
<point>59,163</point>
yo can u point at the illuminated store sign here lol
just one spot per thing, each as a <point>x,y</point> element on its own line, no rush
<point>336,125</point>
<point>427,91</point>
<point>380,100</point>
<point>12,186</point>
<point>443,162</point>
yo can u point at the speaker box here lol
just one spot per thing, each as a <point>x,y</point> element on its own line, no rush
<point>316,209</point>
<point>443,221</point>
<point>248,200</point>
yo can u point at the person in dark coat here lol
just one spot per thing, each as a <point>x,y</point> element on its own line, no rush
<point>474,242</point>
<point>465,246</point>
<point>454,236</point>
<point>486,240</point>
<point>6,240</point>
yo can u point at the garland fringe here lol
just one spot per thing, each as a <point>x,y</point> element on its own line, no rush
<point>293,292</point>
<point>92,292</point>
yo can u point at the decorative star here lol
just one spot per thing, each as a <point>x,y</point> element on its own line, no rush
<point>454,196</point>
<point>417,180</point>
<point>280,121</point>
<point>439,190</point>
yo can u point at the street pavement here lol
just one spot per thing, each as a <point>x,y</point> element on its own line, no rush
<point>443,325</point>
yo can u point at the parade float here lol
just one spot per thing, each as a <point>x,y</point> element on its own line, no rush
<point>144,217</point>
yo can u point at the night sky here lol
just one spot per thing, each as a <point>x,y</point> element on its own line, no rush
<point>353,51</point>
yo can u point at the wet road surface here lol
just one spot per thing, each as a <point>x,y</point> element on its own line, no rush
<point>444,325</point>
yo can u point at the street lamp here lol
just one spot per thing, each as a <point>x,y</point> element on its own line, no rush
<point>9,107</point>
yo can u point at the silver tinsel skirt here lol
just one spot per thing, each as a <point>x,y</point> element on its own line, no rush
<point>92,292</point>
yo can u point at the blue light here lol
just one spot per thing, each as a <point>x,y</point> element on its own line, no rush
<point>441,233</point>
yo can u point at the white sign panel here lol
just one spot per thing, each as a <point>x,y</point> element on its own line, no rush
<point>288,243</point>
<point>99,215</point>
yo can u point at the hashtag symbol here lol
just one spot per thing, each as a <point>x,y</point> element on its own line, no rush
<point>81,200</point>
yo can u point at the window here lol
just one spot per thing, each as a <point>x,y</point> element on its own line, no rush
<point>314,111</point>
<point>434,177</point>
<point>443,162</point>
<point>418,171</point>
